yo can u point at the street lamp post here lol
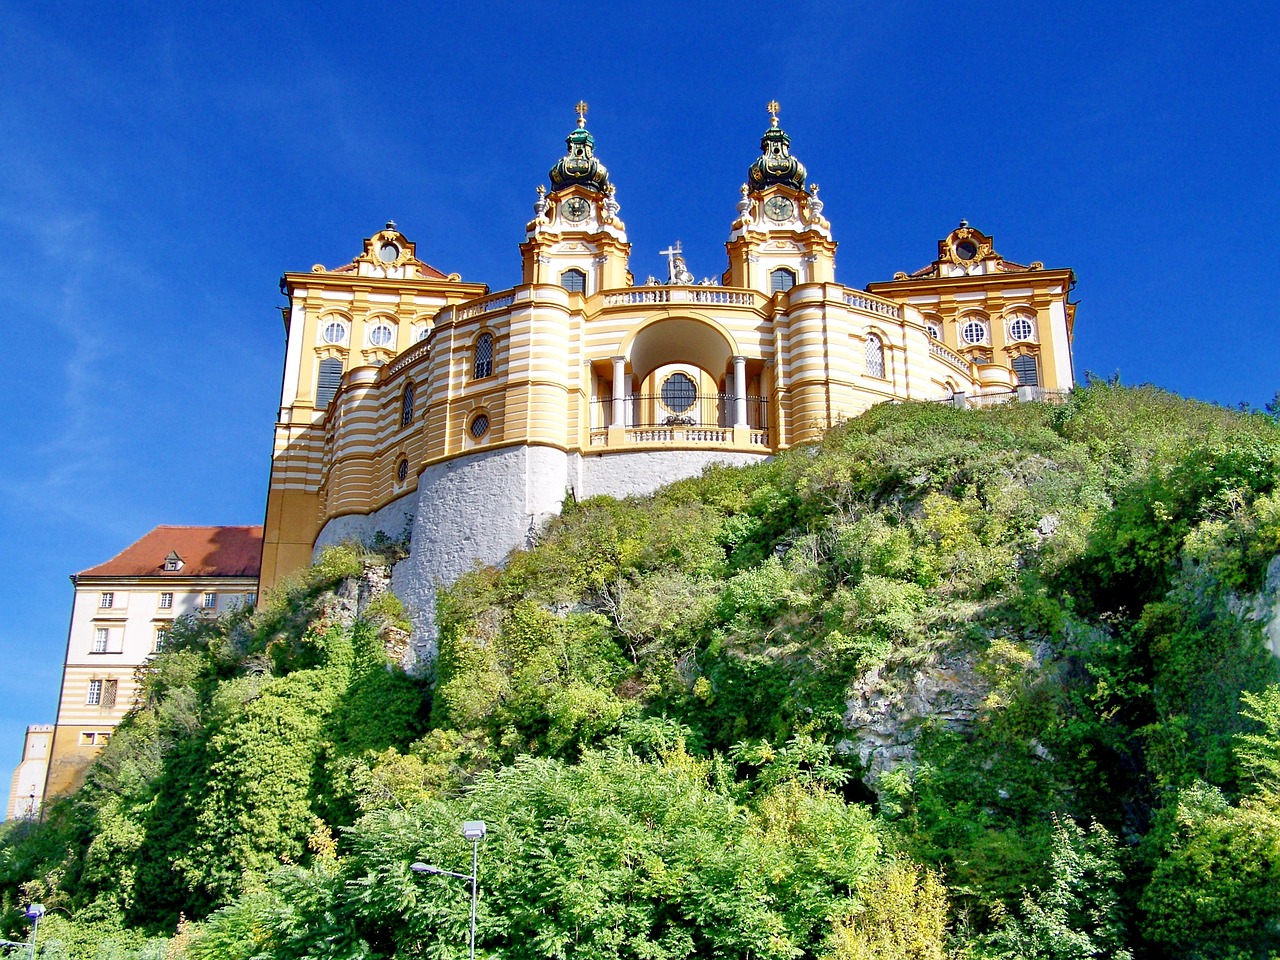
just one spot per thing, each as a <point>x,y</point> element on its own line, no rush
<point>473,830</point>
<point>33,913</point>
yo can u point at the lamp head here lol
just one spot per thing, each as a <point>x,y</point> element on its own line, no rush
<point>473,830</point>
<point>421,867</point>
<point>34,911</point>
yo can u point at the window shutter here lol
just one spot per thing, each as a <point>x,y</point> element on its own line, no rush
<point>330,380</point>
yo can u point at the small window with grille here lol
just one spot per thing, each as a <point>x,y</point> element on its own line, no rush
<point>483,366</point>
<point>406,404</point>
<point>875,356</point>
<point>479,426</point>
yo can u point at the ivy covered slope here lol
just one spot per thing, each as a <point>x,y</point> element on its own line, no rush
<point>983,684</point>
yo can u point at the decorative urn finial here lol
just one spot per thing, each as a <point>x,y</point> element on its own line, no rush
<point>776,165</point>
<point>580,166</point>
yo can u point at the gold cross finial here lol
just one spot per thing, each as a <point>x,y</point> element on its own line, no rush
<point>773,107</point>
<point>582,113</point>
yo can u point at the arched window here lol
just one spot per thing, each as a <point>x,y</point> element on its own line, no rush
<point>381,334</point>
<point>484,357</point>
<point>479,426</point>
<point>574,280</point>
<point>329,381</point>
<point>875,356</point>
<point>1021,328</point>
<point>406,404</point>
<point>974,331</point>
<point>934,328</point>
<point>402,470</point>
<point>1027,370</point>
<point>335,331</point>
<point>781,280</point>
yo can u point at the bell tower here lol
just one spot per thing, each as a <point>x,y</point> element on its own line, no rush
<point>780,238</point>
<point>575,239</point>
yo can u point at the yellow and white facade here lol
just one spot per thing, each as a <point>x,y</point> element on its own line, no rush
<point>121,613</point>
<point>416,403</point>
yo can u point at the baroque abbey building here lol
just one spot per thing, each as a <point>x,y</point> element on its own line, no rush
<point>416,402</point>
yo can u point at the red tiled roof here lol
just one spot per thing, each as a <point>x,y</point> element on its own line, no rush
<point>205,552</point>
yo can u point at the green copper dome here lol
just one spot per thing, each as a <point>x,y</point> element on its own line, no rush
<point>580,166</point>
<point>777,165</point>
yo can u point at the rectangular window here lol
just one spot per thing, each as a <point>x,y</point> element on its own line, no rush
<point>162,638</point>
<point>210,601</point>
<point>100,640</point>
<point>250,599</point>
<point>106,601</point>
<point>166,601</point>
<point>86,739</point>
<point>109,692</point>
<point>95,693</point>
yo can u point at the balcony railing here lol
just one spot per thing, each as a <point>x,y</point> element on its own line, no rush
<point>696,419</point>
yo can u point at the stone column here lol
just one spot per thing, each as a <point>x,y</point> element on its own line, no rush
<point>619,392</point>
<point>739,391</point>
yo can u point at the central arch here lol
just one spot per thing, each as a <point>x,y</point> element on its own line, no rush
<point>669,340</point>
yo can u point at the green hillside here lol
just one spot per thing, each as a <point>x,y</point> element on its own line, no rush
<point>983,684</point>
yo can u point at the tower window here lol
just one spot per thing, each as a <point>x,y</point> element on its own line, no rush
<point>484,357</point>
<point>1027,370</point>
<point>479,426</point>
<point>94,696</point>
<point>381,335</point>
<point>402,471</point>
<point>974,331</point>
<point>875,356</point>
<point>335,331</point>
<point>100,640</point>
<point>329,381</point>
<point>935,330</point>
<point>406,404</point>
<point>106,601</point>
<point>574,280</point>
<point>781,280</point>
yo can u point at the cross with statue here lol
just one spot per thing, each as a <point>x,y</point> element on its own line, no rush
<point>677,272</point>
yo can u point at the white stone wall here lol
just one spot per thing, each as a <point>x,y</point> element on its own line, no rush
<point>474,510</point>
<point>644,471</point>
<point>392,520</point>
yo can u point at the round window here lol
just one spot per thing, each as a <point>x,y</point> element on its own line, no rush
<point>1020,328</point>
<point>335,331</point>
<point>402,471</point>
<point>678,393</point>
<point>966,249</point>
<point>388,252</point>
<point>381,335</point>
<point>935,331</point>
<point>975,331</point>
<point>479,426</point>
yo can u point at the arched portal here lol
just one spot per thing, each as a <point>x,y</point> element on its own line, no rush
<point>680,372</point>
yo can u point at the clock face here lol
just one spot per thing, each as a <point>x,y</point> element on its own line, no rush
<point>388,252</point>
<point>576,209</point>
<point>779,208</point>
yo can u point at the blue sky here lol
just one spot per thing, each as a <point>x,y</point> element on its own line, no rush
<point>162,164</point>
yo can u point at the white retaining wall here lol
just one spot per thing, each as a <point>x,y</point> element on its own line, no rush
<point>475,510</point>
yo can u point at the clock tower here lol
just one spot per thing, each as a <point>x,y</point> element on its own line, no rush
<point>575,239</point>
<point>780,238</point>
